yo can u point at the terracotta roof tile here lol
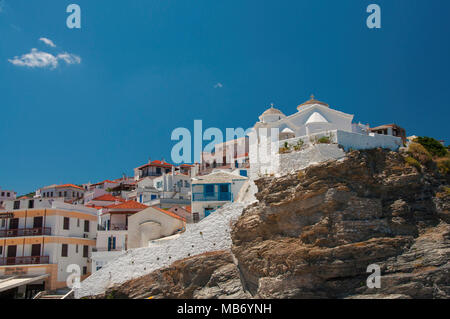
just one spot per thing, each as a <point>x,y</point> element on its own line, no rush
<point>109,198</point>
<point>128,205</point>
<point>169,213</point>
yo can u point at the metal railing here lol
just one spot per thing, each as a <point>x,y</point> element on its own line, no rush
<point>209,197</point>
<point>27,260</point>
<point>22,232</point>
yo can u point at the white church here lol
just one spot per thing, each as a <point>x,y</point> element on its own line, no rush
<point>312,121</point>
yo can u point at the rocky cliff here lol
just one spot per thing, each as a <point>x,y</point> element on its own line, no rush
<point>313,234</point>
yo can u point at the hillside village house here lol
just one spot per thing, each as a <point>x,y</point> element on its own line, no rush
<point>68,192</point>
<point>231,154</point>
<point>162,184</point>
<point>313,120</point>
<point>39,238</point>
<point>155,168</point>
<point>6,195</point>
<point>212,191</point>
<point>142,225</point>
<point>113,231</point>
<point>390,129</point>
<point>153,223</point>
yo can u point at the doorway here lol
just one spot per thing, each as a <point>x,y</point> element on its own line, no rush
<point>11,255</point>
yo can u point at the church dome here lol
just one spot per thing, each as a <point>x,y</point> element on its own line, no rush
<point>311,102</point>
<point>272,111</point>
<point>271,115</point>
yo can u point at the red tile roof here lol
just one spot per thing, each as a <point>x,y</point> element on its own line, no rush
<point>128,205</point>
<point>69,185</point>
<point>188,208</point>
<point>156,163</point>
<point>105,181</point>
<point>109,198</point>
<point>169,213</point>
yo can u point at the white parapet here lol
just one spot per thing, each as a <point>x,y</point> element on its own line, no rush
<point>266,161</point>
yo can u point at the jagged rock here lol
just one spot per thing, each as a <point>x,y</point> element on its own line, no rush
<point>210,275</point>
<point>313,233</point>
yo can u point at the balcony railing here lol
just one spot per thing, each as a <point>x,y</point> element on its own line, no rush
<point>211,197</point>
<point>27,260</point>
<point>21,232</point>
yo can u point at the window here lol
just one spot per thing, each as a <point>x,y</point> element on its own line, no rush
<point>65,193</point>
<point>196,217</point>
<point>86,226</point>
<point>17,204</point>
<point>186,184</point>
<point>66,224</point>
<point>51,194</point>
<point>59,194</point>
<point>31,203</point>
<point>3,222</point>
<point>209,189</point>
<point>78,222</point>
<point>35,250</point>
<point>64,250</point>
<point>76,248</point>
<point>1,250</point>
<point>84,270</point>
<point>85,251</point>
<point>3,194</point>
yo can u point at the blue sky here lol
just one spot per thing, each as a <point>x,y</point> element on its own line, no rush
<point>148,67</point>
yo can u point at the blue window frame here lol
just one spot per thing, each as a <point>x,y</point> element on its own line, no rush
<point>208,189</point>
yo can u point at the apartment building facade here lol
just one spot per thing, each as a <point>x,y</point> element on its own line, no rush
<point>40,238</point>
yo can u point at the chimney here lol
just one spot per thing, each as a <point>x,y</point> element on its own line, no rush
<point>149,160</point>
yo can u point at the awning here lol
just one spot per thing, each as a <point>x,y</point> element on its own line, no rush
<point>7,283</point>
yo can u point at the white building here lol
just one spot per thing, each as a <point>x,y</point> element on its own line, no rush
<point>228,155</point>
<point>112,236</point>
<point>210,192</point>
<point>151,224</point>
<point>39,239</point>
<point>313,121</point>
<point>68,192</point>
<point>6,195</point>
<point>164,191</point>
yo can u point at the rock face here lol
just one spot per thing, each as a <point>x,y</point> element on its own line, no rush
<point>205,276</point>
<point>314,233</point>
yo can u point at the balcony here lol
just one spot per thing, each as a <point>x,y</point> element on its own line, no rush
<point>22,232</point>
<point>27,260</point>
<point>212,197</point>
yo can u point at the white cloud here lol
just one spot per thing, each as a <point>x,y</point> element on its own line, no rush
<point>69,58</point>
<point>48,42</point>
<point>40,59</point>
<point>218,85</point>
<point>36,59</point>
